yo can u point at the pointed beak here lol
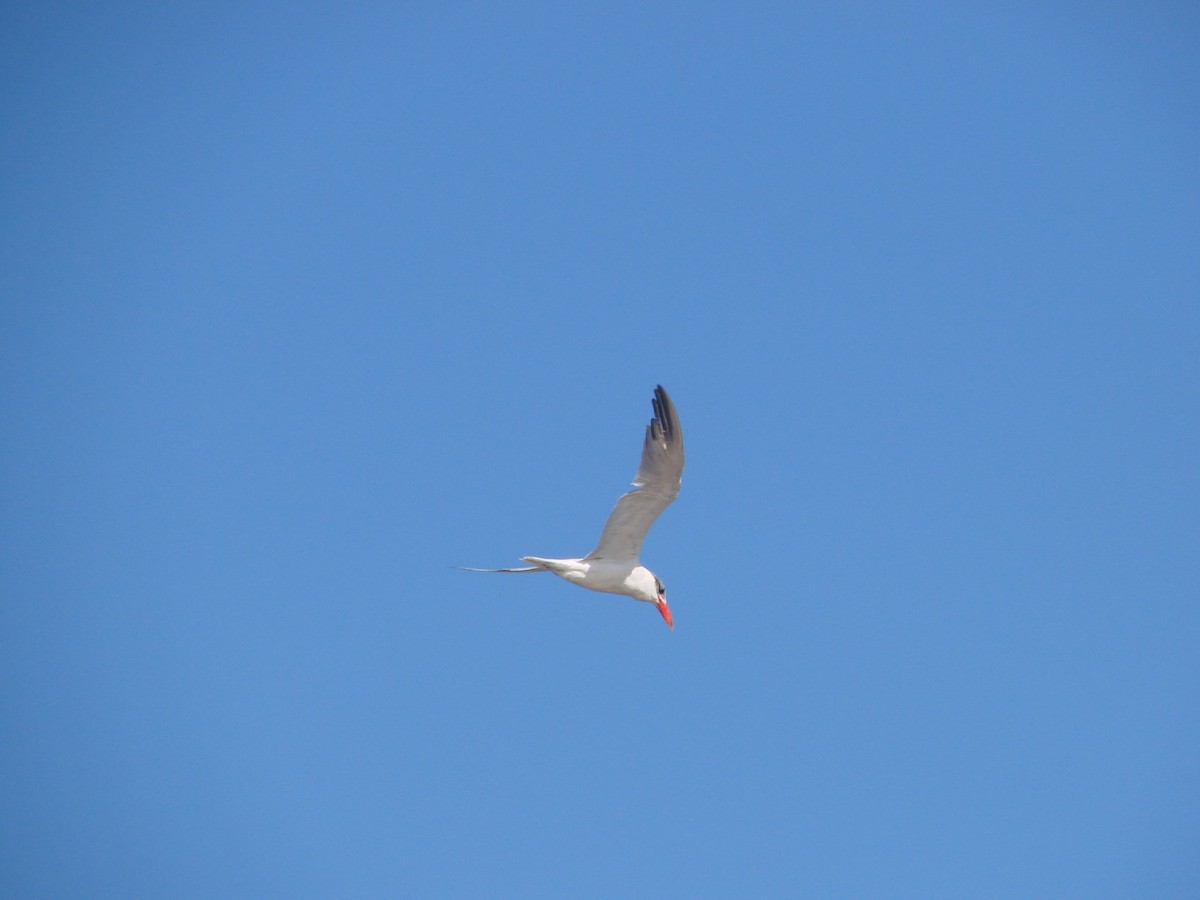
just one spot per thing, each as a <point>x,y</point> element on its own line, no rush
<point>665,612</point>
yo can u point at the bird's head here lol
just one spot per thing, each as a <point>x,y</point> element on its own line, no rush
<point>644,585</point>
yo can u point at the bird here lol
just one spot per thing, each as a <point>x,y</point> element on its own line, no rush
<point>614,567</point>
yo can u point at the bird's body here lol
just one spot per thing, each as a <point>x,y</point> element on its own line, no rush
<point>614,566</point>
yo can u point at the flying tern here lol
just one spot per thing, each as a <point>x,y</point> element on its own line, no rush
<point>613,567</point>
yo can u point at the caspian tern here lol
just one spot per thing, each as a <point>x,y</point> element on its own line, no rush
<point>613,567</point>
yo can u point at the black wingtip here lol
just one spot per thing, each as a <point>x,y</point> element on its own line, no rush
<point>661,403</point>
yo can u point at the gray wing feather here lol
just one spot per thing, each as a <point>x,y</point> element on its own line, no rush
<point>657,484</point>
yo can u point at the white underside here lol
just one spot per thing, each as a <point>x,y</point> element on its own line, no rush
<point>606,575</point>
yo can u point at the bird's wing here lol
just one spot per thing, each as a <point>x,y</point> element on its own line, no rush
<point>657,483</point>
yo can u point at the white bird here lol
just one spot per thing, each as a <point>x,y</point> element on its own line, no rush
<point>613,567</point>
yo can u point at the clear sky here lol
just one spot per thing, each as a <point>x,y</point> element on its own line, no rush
<point>305,304</point>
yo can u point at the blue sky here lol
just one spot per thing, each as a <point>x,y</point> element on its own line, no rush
<point>304,305</point>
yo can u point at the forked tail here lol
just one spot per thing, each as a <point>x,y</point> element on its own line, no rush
<point>522,569</point>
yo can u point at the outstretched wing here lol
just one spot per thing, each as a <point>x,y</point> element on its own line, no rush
<point>657,483</point>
